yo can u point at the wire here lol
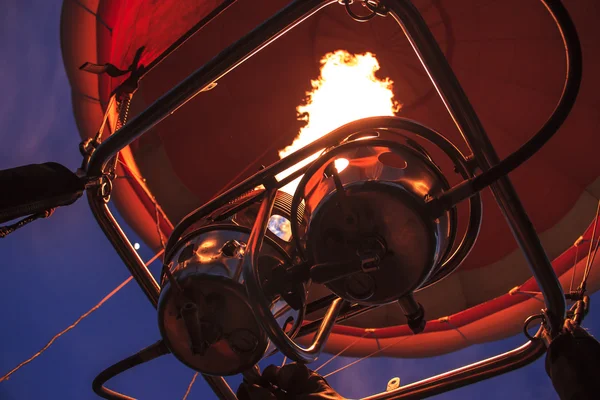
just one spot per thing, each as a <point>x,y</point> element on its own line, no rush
<point>446,320</point>
<point>189,389</point>
<point>588,269</point>
<point>365,357</point>
<point>149,353</point>
<point>342,351</point>
<point>574,267</point>
<point>74,324</point>
<point>158,230</point>
<point>591,255</point>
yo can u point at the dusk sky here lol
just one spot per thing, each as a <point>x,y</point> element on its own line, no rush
<point>55,270</point>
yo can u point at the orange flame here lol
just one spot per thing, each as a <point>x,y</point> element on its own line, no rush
<point>346,90</point>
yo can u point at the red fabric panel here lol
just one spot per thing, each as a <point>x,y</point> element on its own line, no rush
<point>108,11</point>
<point>513,74</point>
<point>154,25</point>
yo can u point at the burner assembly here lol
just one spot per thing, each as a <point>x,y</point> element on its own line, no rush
<point>369,234</point>
<point>370,217</point>
<point>205,316</point>
<point>361,222</point>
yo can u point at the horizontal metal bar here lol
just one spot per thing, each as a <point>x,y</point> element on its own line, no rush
<point>469,374</point>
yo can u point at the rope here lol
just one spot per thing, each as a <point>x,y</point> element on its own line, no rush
<point>189,389</point>
<point>98,136</point>
<point>447,321</point>
<point>8,229</point>
<point>588,267</point>
<point>365,357</point>
<point>158,230</point>
<point>342,351</point>
<point>591,256</point>
<point>74,324</point>
<point>574,266</point>
<point>530,294</point>
<point>284,361</point>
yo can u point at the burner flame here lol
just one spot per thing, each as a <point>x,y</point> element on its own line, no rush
<point>346,90</point>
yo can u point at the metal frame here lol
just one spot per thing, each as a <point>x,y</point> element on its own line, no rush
<point>457,104</point>
<point>255,293</point>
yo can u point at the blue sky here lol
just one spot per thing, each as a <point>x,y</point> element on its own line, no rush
<point>54,270</point>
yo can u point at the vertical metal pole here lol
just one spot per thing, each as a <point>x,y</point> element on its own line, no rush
<point>467,122</point>
<point>121,243</point>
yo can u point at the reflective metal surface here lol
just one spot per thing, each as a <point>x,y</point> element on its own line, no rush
<point>256,295</point>
<point>379,196</point>
<point>210,325</point>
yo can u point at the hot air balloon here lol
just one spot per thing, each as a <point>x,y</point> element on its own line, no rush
<point>192,102</point>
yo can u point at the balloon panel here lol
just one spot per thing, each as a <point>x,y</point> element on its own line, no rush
<point>507,55</point>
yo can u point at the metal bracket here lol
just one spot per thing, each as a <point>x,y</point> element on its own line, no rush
<point>135,70</point>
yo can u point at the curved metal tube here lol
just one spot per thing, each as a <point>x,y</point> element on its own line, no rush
<point>331,139</point>
<point>563,108</point>
<point>149,353</point>
<point>451,261</point>
<point>256,294</point>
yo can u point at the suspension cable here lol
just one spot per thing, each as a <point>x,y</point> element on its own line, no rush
<point>189,389</point>
<point>446,320</point>
<point>74,324</point>
<point>591,254</point>
<point>342,351</point>
<point>577,243</point>
<point>588,268</point>
<point>365,357</point>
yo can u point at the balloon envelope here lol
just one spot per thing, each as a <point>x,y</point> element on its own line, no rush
<point>507,55</point>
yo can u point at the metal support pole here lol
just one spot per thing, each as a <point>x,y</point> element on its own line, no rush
<point>121,243</point>
<point>467,122</point>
